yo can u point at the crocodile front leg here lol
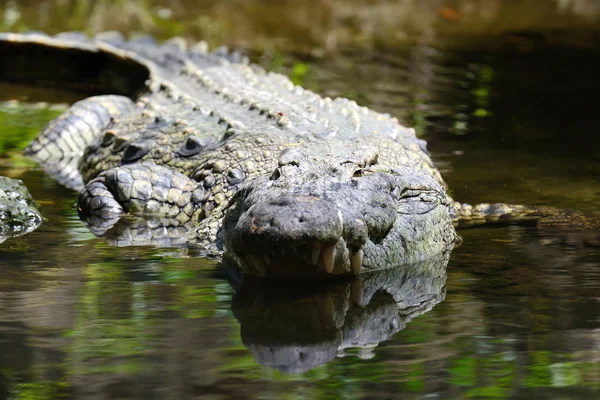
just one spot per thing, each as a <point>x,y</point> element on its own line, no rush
<point>141,189</point>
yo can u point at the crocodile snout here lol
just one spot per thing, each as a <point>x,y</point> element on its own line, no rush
<point>296,235</point>
<point>287,219</point>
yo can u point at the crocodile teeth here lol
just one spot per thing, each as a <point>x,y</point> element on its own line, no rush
<point>328,255</point>
<point>356,261</point>
<point>259,264</point>
<point>315,252</point>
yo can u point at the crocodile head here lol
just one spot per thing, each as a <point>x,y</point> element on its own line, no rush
<point>317,217</point>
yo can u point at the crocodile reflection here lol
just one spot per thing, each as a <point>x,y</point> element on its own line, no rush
<point>296,327</point>
<point>133,230</point>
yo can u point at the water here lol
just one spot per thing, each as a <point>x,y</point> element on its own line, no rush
<point>516,314</point>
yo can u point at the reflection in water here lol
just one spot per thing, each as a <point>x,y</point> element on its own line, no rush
<point>296,328</point>
<point>96,322</point>
<point>141,231</point>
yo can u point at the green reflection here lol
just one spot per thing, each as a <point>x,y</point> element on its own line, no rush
<point>415,378</point>
<point>20,123</point>
<point>483,91</point>
<point>464,371</point>
<point>299,72</point>
<point>41,390</point>
<point>112,323</point>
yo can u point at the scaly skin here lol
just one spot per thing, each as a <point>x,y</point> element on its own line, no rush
<point>18,214</point>
<point>293,185</point>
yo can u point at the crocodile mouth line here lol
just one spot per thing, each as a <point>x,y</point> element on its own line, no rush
<point>341,256</point>
<point>317,258</point>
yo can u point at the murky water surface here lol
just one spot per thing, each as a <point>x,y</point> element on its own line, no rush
<point>515,314</point>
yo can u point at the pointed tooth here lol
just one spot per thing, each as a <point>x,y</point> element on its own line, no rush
<point>259,264</point>
<point>315,252</point>
<point>356,261</point>
<point>328,255</point>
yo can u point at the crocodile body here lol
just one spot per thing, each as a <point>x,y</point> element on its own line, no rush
<point>220,153</point>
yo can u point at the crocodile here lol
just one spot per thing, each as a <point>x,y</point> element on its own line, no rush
<point>18,212</point>
<point>217,152</point>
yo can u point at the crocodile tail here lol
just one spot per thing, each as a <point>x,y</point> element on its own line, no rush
<point>553,224</point>
<point>465,215</point>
